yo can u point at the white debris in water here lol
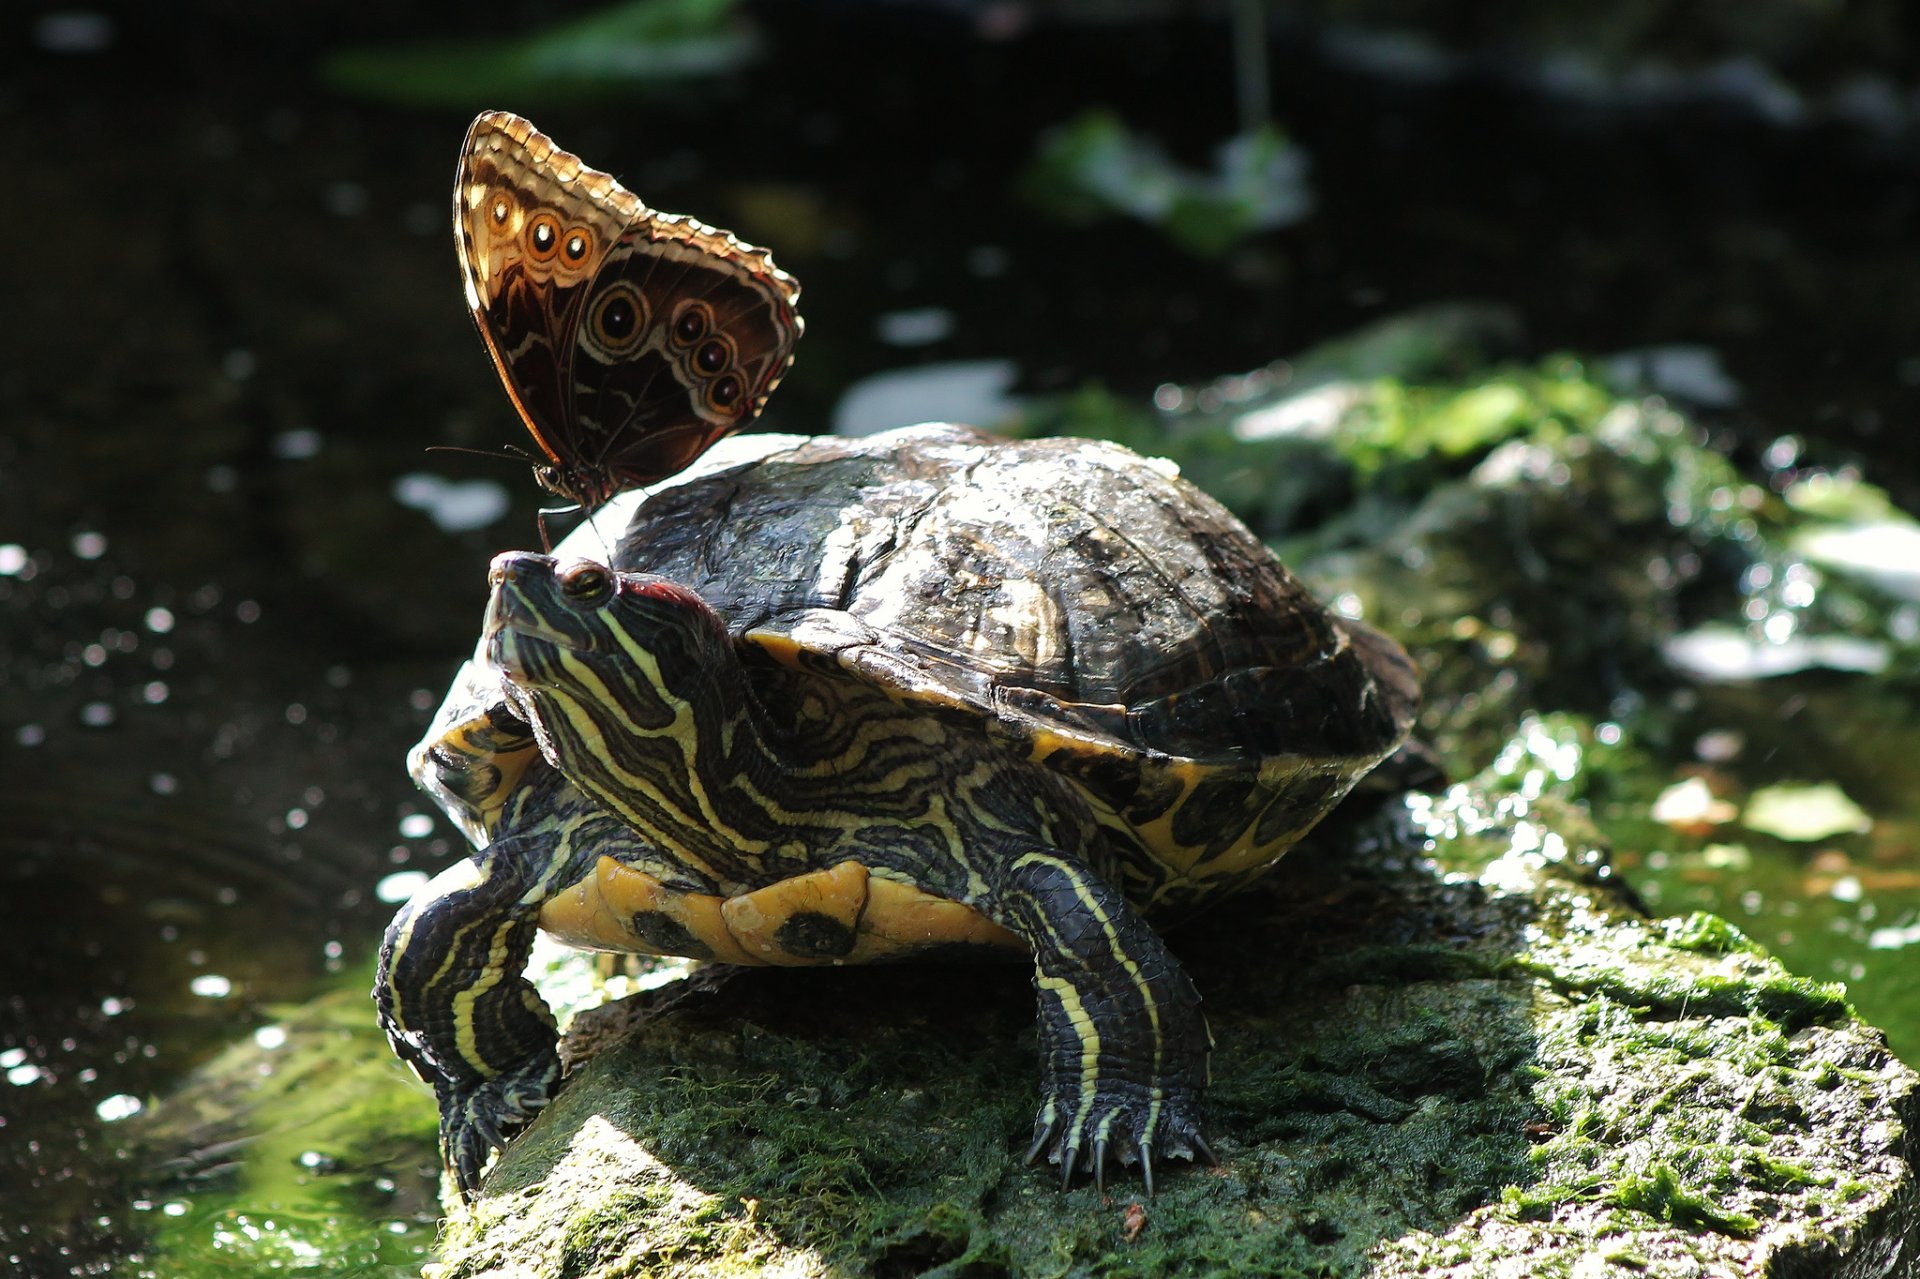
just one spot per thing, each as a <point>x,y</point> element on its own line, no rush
<point>958,391</point>
<point>456,506</point>
<point>1314,414</point>
<point>1894,938</point>
<point>1690,803</point>
<point>400,885</point>
<point>416,826</point>
<point>298,444</point>
<point>1691,373</point>
<point>119,1106</point>
<point>1884,552</point>
<point>211,986</point>
<point>1806,814</point>
<point>74,31</point>
<point>919,326</point>
<point>1728,653</point>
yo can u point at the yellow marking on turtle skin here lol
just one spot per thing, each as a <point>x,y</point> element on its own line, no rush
<point>574,706</point>
<point>459,877</point>
<point>1084,1031</point>
<point>593,692</point>
<point>1090,1038</point>
<point>907,745</point>
<point>495,971</point>
<point>462,874</point>
<point>871,734</point>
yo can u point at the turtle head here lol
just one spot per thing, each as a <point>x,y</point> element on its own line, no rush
<point>622,676</point>
<point>576,638</point>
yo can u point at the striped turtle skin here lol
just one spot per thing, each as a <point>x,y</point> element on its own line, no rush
<point>841,701</point>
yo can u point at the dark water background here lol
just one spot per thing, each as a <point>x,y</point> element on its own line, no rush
<point>234,323</point>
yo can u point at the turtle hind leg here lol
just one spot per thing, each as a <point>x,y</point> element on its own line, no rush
<point>1123,1043</point>
<point>455,1007</point>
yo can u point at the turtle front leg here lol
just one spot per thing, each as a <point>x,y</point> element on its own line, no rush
<point>456,1009</point>
<point>1123,1043</point>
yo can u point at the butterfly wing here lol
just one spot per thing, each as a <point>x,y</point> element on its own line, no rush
<point>629,340</point>
<point>532,225</point>
<point>684,334</point>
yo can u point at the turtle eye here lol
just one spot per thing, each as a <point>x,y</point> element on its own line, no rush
<point>586,583</point>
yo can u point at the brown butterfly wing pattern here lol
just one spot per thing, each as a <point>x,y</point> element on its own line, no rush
<point>629,340</point>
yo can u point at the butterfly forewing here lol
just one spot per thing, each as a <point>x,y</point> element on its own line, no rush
<point>629,340</point>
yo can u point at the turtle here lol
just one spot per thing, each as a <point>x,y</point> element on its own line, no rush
<point>840,700</point>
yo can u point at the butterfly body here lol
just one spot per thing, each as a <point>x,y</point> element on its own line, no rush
<point>629,340</point>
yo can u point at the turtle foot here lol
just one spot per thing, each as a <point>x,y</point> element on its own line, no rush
<point>1132,1122</point>
<point>477,1119</point>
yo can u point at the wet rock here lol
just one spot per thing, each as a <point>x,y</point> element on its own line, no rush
<point>1446,1044</point>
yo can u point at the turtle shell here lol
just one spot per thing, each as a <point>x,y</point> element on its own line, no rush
<point>1083,605</point>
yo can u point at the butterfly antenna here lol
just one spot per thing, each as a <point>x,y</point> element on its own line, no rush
<point>507,453</point>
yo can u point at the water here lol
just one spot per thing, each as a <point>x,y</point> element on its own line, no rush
<point>240,328</point>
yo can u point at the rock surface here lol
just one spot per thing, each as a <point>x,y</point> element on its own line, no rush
<point>1449,1041</point>
<point>1446,1044</point>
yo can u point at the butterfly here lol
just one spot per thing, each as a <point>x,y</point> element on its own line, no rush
<point>629,340</point>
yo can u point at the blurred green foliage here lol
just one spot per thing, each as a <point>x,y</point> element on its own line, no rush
<point>641,46</point>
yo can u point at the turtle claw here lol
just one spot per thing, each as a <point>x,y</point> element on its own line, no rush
<point>1045,1128</point>
<point>1130,1123</point>
<point>480,1118</point>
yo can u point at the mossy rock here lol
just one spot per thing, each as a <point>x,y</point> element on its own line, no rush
<point>1446,1044</point>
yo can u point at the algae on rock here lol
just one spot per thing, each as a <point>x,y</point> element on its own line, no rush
<point>1472,1058</point>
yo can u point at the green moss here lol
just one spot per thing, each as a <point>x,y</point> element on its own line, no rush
<point>1399,964</point>
<point>1659,1193</point>
<point>1710,935</point>
<point>1781,1175</point>
<point>1792,1001</point>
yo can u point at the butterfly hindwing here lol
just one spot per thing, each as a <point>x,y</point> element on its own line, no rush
<point>629,340</point>
<point>676,347</point>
